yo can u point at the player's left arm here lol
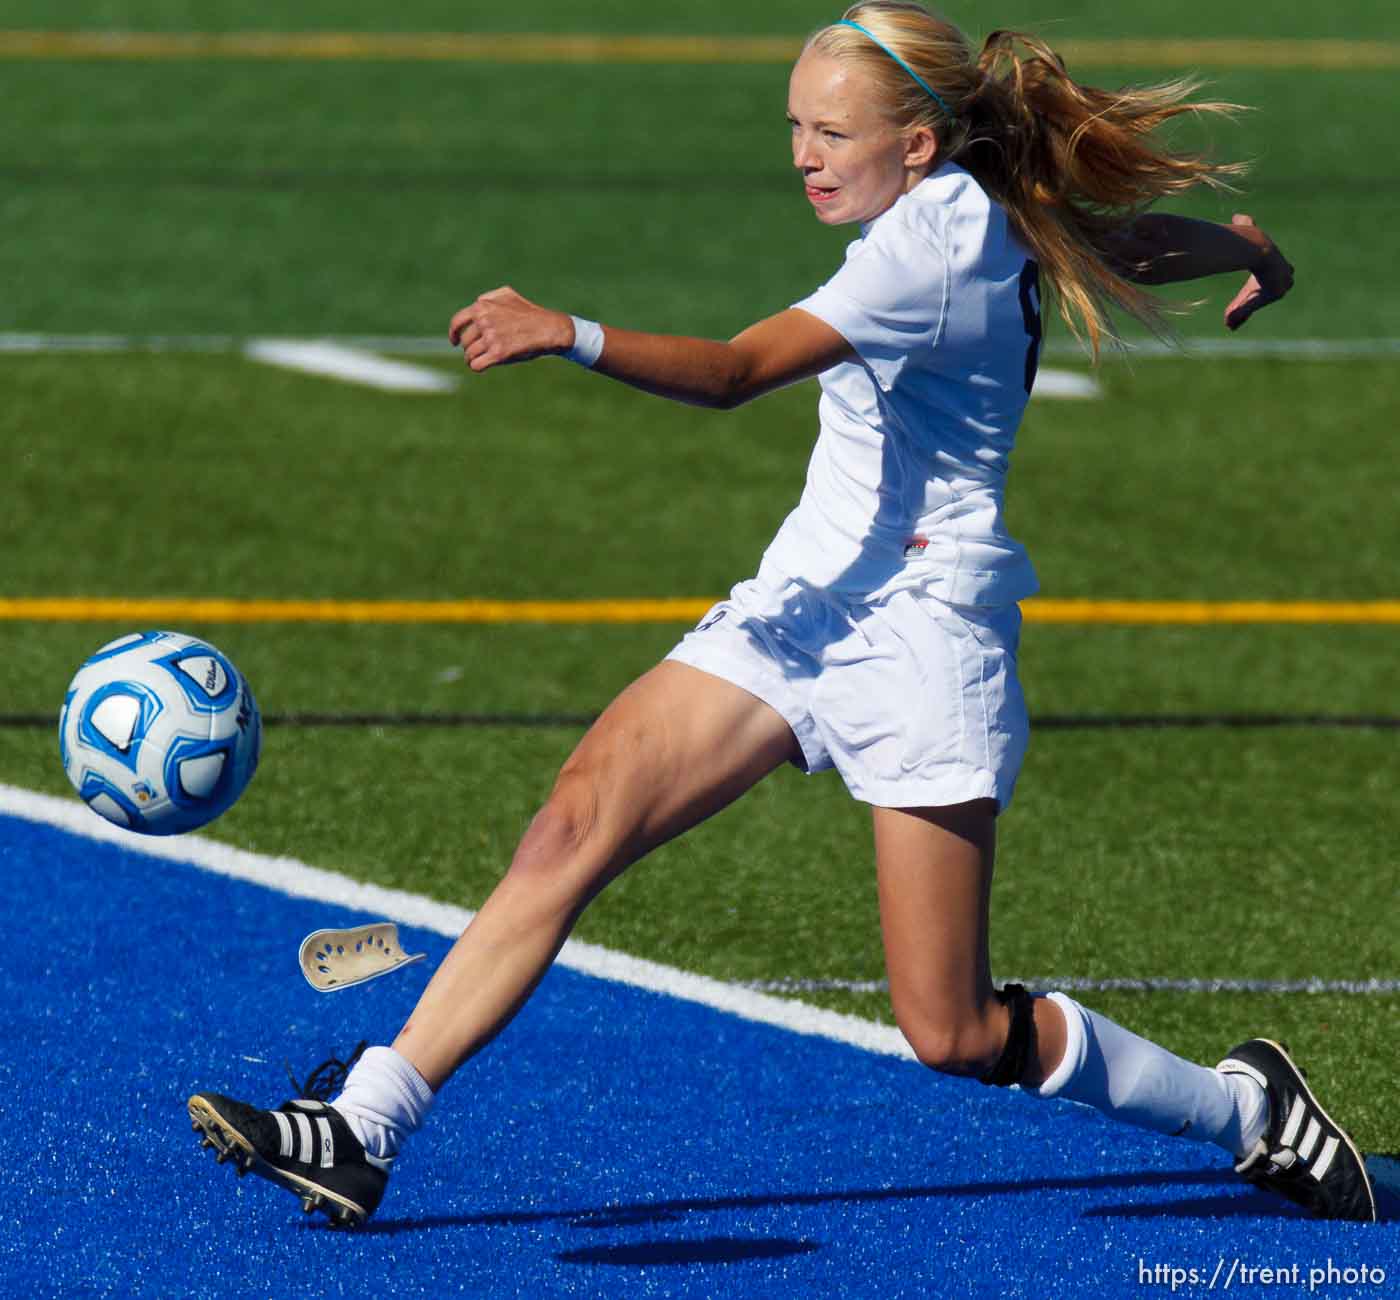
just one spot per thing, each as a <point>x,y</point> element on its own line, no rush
<point>502,328</point>
<point>1160,248</point>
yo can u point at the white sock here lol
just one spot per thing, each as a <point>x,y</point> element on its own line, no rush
<point>385,1100</point>
<point>1130,1079</point>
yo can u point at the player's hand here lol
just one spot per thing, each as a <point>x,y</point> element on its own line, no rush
<point>502,327</point>
<point>1271,276</point>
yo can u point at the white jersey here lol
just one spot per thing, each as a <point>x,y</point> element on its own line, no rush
<point>905,486</point>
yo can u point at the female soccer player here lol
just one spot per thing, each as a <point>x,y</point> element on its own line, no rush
<point>879,635</point>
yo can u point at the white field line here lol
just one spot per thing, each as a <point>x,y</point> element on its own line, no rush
<point>297,879</point>
<point>1354,349</point>
<point>352,365</point>
<point>1065,384</point>
<point>754,1001</point>
<point>1078,984</point>
<point>356,361</point>
<point>1240,348</point>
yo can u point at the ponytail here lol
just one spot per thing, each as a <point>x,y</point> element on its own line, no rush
<point>1071,164</point>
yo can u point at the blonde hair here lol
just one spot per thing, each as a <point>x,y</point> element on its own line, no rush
<point>1071,164</point>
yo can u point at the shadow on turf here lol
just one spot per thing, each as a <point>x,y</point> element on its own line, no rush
<point>703,1250</point>
<point>658,1212</point>
<point>1385,1180</point>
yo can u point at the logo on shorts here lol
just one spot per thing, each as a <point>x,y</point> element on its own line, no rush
<point>915,547</point>
<point>710,620</point>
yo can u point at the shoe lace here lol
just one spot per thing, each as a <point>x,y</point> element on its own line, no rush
<point>327,1079</point>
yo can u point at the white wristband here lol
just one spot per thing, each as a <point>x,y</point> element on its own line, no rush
<point>588,342</point>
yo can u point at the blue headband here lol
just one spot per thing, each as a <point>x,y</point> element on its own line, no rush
<point>934,95</point>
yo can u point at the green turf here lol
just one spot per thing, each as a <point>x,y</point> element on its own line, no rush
<point>553,483</point>
<point>575,670</point>
<point>377,198</point>
<point>1105,826</point>
<point>1345,19</point>
<point>1172,855</point>
<point>1346,1041</point>
<point>297,198</point>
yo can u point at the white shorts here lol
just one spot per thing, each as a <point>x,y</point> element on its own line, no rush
<point>916,703</point>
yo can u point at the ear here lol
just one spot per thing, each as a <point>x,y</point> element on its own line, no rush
<point>921,147</point>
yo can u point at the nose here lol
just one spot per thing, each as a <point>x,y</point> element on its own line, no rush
<point>804,156</point>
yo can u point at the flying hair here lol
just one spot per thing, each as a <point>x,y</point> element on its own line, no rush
<point>1071,164</point>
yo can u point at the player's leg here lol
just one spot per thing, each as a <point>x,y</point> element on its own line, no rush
<point>675,747</point>
<point>935,869</point>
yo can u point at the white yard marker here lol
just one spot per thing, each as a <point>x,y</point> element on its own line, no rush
<point>1065,384</point>
<point>353,365</point>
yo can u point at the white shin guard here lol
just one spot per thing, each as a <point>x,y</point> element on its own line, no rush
<point>1130,1079</point>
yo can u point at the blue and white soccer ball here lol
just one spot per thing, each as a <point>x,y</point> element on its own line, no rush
<point>159,732</point>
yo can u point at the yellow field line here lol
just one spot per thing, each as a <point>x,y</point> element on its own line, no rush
<point>405,46</point>
<point>154,612</point>
<point>1299,54</point>
<point>1201,612</point>
<point>670,610</point>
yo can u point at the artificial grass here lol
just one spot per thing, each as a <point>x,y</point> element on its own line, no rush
<point>362,198</point>
<point>1288,19</point>
<point>169,475</point>
<point>1181,855</point>
<point>376,198</point>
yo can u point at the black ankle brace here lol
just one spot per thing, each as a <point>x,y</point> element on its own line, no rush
<point>1020,1039</point>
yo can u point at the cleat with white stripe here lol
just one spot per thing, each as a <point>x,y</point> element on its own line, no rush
<point>1304,1155</point>
<point>304,1145</point>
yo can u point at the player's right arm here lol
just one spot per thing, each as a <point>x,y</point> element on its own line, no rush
<point>502,328</point>
<point>1162,248</point>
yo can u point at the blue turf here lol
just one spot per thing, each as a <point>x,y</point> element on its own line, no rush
<point>612,1143</point>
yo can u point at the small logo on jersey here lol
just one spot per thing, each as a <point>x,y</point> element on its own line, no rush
<point>706,623</point>
<point>915,547</point>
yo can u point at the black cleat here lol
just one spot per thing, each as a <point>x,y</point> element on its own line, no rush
<point>1303,1155</point>
<point>303,1145</point>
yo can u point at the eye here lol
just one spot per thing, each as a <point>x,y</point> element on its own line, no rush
<point>833,135</point>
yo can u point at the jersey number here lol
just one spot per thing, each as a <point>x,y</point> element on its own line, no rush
<point>1030,313</point>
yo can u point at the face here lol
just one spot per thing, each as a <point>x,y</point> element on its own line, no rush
<point>854,162</point>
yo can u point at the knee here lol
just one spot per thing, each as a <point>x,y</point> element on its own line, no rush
<point>966,1048</point>
<point>562,836</point>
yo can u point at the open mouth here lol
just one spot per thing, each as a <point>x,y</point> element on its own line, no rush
<point>820,195</point>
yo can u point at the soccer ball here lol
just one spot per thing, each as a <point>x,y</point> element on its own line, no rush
<point>159,732</point>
